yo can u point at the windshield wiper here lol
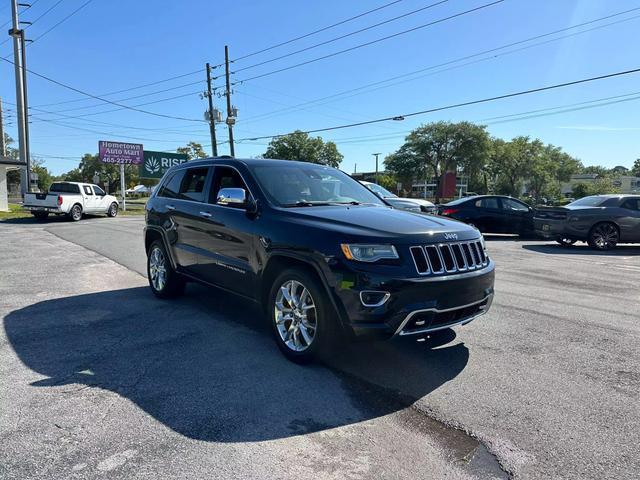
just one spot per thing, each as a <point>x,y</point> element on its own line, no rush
<point>304,203</point>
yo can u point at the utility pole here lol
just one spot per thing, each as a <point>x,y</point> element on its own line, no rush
<point>20,106</point>
<point>3,147</point>
<point>212,117</point>
<point>376,155</point>
<point>27,148</point>
<point>230,117</point>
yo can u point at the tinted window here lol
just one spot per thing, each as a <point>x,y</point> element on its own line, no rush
<point>98,190</point>
<point>193,183</point>
<point>631,204</point>
<point>510,204</point>
<point>490,202</point>
<point>171,187</point>
<point>225,177</point>
<point>64,188</point>
<point>87,190</point>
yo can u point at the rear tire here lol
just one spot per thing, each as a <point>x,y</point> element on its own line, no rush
<point>302,318</point>
<point>164,281</point>
<point>603,236</point>
<point>113,210</point>
<point>75,214</point>
<point>41,215</point>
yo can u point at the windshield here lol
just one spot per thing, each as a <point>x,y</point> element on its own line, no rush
<point>308,185</point>
<point>593,201</point>
<point>383,192</point>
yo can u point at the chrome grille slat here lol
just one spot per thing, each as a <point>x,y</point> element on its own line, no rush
<point>449,258</point>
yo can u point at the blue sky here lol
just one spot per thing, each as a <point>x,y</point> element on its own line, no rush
<point>113,45</point>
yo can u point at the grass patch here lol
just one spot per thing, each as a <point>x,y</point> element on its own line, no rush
<point>15,211</point>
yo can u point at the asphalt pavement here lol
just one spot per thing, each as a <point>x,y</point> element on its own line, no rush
<point>98,377</point>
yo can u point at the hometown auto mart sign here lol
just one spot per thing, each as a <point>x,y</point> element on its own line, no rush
<point>120,153</point>
<point>157,163</point>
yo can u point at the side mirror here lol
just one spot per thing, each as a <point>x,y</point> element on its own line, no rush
<point>232,197</point>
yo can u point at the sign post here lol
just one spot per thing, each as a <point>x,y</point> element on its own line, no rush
<point>122,154</point>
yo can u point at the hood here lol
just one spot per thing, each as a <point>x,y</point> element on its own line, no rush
<point>382,222</point>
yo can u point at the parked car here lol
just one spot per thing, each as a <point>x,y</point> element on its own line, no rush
<point>138,190</point>
<point>491,214</point>
<point>323,255</point>
<point>602,221</point>
<point>403,203</point>
<point>72,199</point>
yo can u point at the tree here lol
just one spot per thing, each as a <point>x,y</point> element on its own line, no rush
<point>44,175</point>
<point>619,170</point>
<point>299,146</point>
<point>513,162</point>
<point>192,150</point>
<point>599,187</point>
<point>597,169</point>
<point>435,148</point>
<point>635,170</point>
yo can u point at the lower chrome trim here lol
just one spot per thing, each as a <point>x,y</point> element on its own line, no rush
<point>385,297</point>
<point>488,299</point>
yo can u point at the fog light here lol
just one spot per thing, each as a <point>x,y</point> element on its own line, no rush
<point>372,298</point>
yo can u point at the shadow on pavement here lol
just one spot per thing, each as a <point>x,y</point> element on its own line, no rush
<point>578,249</point>
<point>192,364</point>
<point>51,219</point>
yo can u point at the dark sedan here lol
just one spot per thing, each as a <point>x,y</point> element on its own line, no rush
<point>602,221</point>
<point>491,214</point>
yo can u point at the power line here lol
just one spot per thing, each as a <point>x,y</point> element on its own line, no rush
<point>317,31</point>
<point>61,21</point>
<point>342,94</point>
<point>378,40</point>
<point>326,42</point>
<point>458,105</point>
<point>126,89</point>
<point>69,87</point>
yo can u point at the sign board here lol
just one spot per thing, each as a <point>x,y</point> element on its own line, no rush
<point>157,163</point>
<point>120,153</point>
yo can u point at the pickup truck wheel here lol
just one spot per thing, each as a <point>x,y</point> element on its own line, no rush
<point>163,279</point>
<point>603,236</point>
<point>113,210</point>
<point>41,215</point>
<point>301,316</point>
<point>76,213</point>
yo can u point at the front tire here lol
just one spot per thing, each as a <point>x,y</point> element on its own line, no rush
<point>302,318</point>
<point>603,236</point>
<point>113,210</point>
<point>163,279</point>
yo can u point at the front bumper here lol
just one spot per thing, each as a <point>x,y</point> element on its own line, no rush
<point>552,229</point>
<point>415,305</point>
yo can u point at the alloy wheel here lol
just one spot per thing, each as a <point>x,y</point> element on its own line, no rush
<point>76,213</point>
<point>295,316</point>
<point>605,236</point>
<point>158,269</point>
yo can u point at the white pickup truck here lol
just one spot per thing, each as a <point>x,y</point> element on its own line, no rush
<point>72,199</point>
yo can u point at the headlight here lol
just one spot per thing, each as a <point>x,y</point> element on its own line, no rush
<point>368,253</point>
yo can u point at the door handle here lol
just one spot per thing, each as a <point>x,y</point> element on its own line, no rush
<point>205,214</point>
<point>170,207</point>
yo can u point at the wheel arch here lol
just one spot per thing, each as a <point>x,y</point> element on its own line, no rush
<point>151,234</point>
<point>280,261</point>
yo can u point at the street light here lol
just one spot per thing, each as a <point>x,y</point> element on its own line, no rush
<point>376,155</point>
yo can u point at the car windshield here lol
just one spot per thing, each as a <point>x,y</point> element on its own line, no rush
<point>593,201</point>
<point>383,192</point>
<point>309,185</point>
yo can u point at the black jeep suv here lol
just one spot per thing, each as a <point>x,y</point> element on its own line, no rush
<point>322,254</point>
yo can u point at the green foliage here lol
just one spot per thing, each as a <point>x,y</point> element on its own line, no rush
<point>388,181</point>
<point>635,170</point>
<point>299,146</point>
<point>434,148</point>
<point>600,186</point>
<point>44,175</point>
<point>192,150</point>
